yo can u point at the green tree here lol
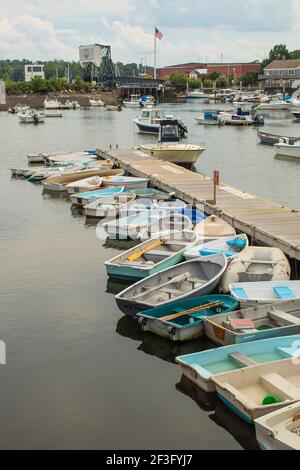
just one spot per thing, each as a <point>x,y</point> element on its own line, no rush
<point>194,83</point>
<point>276,53</point>
<point>208,83</point>
<point>222,82</point>
<point>178,80</point>
<point>250,78</point>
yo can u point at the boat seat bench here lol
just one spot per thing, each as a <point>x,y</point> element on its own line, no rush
<point>242,360</point>
<point>284,318</point>
<point>275,383</point>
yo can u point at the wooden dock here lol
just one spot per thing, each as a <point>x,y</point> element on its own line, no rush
<point>262,220</point>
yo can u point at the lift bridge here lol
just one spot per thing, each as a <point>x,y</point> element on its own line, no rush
<point>98,67</point>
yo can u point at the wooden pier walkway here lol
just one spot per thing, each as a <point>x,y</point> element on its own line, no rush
<point>262,220</point>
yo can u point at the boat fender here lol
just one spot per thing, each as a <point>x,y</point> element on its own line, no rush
<point>172,331</point>
<point>142,321</point>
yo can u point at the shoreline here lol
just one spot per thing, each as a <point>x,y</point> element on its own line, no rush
<point>37,100</point>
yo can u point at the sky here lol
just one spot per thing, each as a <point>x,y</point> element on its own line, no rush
<point>194,30</point>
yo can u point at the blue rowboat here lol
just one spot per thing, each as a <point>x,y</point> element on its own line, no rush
<point>86,198</point>
<point>201,367</point>
<point>190,326</point>
<point>193,214</point>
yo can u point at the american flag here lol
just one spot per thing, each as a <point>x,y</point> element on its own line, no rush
<point>158,34</point>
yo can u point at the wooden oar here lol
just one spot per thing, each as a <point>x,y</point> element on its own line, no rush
<point>138,255</point>
<point>178,279</point>
<point>191,311</point>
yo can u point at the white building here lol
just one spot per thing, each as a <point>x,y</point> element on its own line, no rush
<point>34,70</point>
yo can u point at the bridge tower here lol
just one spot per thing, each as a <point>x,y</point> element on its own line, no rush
<point>98,65</point>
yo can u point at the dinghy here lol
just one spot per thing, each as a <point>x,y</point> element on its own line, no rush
<point>201,367</point>
<point>194,215</point>
<point>269,138</point>
<point>183,320</point>
<point>127,181</point>
<point>254,324</point>
<point>256,391</point>
<point>109,206</point>
<point>279,430</point>
<point>170,206</point>
<point>81,199</point>
<point>40,157</point>
<point>59,183</point>
<point>165,225</point>
<point>285,149</point>
<point>152,256</point>
<point>129,227</point>
<point>229,246</point>
<point>252,293</point>
<point>84,185</point>
<point>213,227</point>
<point>181,282</point>
<point>151,193</point>
<point>257,264</point>
<point>137,206</point>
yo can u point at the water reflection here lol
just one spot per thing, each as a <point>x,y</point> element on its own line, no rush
<point>242,432</point>
<point>159,347</point>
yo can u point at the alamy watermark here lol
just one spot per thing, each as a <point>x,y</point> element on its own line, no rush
<point>2,92</point>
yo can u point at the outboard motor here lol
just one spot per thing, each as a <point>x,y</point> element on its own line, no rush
<point>74,106</point>
<point>259,120</point>
<point>183,130</point>
<point>36,118</point>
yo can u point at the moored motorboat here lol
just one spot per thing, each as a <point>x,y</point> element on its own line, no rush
<point>168,147</point>
<point>183,320</point>
<point>253,293</point>
<point>256,391</point>
<point>134,102</point>
<point>201,367</point>
<point>207,118</point>
<point>257,264</point>
<point>96,103</point>
<point>279,430</point>
<point>229,246</point>
<point>59,183</point>
<point>149,121</point>
<point>109,206</point>
<point>31,116</point>
<point>181,282</point>
<point>51,102</point>
<point>197,95</point>
<point>152,256</point>
<point>214,227</point>
<point>254,324</point>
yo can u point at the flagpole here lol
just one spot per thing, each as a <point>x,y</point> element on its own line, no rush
<point>155,74</point>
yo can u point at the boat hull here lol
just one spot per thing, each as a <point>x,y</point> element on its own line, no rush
<point>133,307</point>
<point>147,128</point>
<point>181,156</point>
<point>183,330</point>
<point>285,151</point>
<point>200,367</point>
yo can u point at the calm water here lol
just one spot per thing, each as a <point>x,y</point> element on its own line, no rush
<point>79,375</point>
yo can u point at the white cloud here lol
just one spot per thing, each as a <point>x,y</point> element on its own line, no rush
<point>241,29</point>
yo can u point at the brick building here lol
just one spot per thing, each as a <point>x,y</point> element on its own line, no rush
<point>235,69</point>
